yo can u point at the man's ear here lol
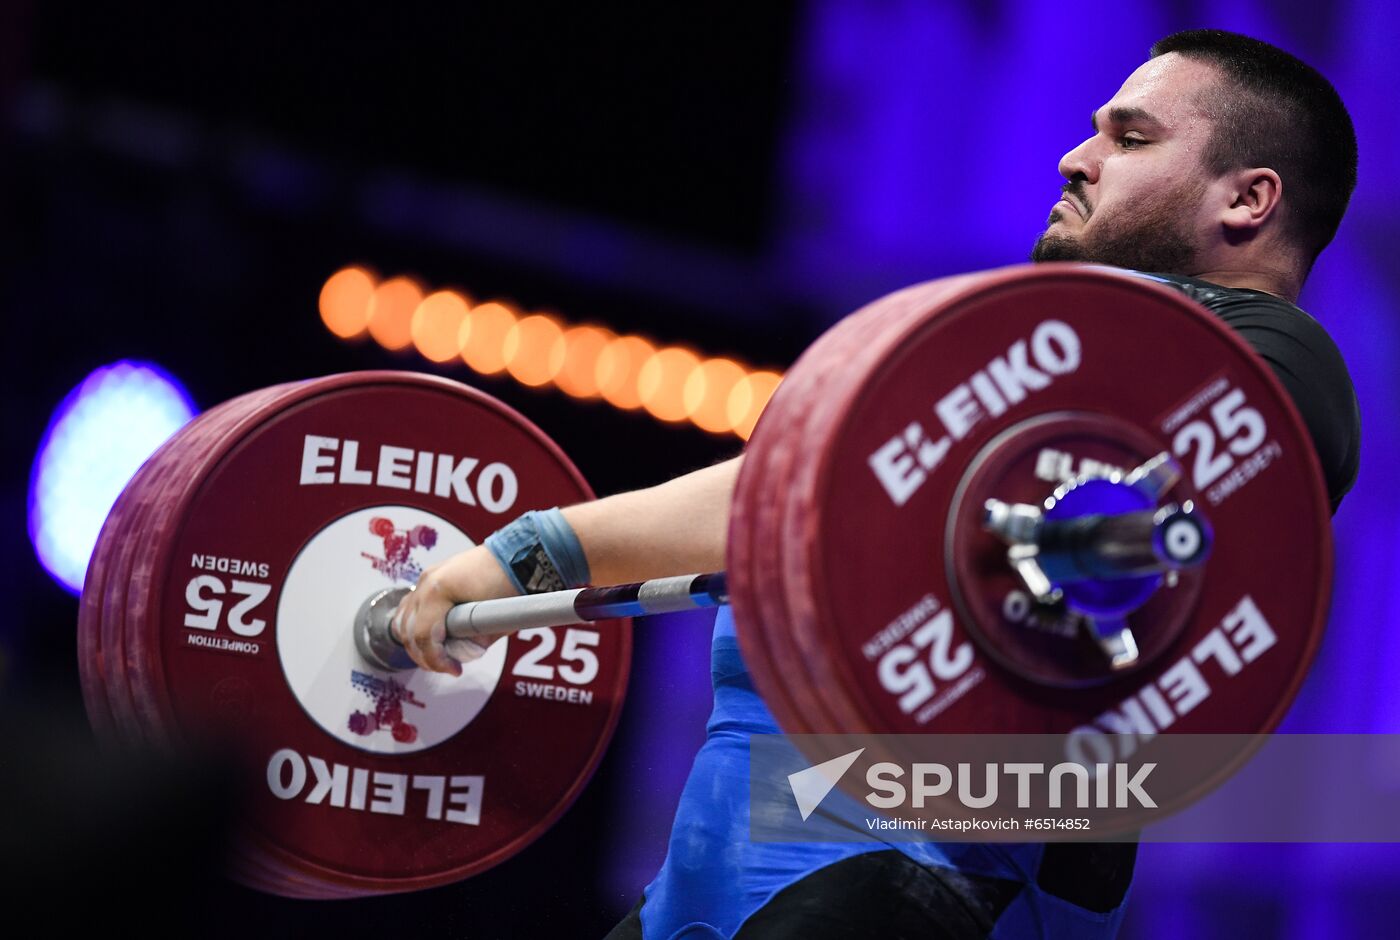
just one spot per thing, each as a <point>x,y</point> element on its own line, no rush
<point>1255,197</point>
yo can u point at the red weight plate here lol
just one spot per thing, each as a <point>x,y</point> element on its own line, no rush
<point>100,648</point>
<point>864,336</point>
<point>101,656</point>
<point>123,525</point>
<point>358,779</point>
<point>113,598</point>
<point>798,703</point>
<point>888,322</point>
<point>180,462</point>
<point>1022,342</point>
<point>825,373</point>
<point>92,667</point>
<point>775,676</point>
<point>181,467</point>
<point>143,497</point>
<point>780,657</point>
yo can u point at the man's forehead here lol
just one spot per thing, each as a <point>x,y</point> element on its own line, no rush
<point>1166,89</point>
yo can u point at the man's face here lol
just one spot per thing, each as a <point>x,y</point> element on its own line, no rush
<point>1136,191</point>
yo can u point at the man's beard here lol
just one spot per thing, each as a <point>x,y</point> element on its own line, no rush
<point>1144,235</point>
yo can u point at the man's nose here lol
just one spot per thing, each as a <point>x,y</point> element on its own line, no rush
<point>1080,162</point>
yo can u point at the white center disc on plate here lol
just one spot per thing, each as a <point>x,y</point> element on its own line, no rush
<point>339,568</point>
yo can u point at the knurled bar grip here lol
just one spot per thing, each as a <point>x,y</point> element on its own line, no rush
<point>582,605</point>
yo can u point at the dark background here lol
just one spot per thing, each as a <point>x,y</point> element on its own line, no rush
<point>177,182</point>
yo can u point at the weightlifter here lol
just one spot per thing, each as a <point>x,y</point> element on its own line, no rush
<point>1222,164</point>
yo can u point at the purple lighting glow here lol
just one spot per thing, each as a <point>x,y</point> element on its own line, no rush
<point>98,437</point>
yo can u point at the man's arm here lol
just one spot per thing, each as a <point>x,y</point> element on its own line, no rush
<point>677,527</point>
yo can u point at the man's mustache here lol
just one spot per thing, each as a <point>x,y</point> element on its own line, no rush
<point>1074,190</point>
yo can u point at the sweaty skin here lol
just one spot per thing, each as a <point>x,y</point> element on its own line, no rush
<point>677,527</point>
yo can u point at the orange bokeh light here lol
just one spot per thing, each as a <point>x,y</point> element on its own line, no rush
<point>748,398</point>
<point>483,336</point>
<point>345,300</point>
<point>391,312</point>
<point>673,383</point>
<point>534,349</point>
<point>661,382</point>
<point>619,365</point>
<point>437,323</point>
<point>579,374</point>
<point>707,394</point>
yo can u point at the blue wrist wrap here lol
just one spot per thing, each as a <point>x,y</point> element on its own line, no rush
<point>540,552</point>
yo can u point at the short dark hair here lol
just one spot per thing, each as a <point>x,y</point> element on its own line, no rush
<point>1277,111</point>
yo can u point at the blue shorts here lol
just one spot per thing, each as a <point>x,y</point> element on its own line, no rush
<point>715,877</point>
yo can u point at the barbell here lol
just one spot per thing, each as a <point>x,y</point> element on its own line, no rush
<point>1030,500</point>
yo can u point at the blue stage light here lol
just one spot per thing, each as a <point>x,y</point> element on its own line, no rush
<point>96,440</point>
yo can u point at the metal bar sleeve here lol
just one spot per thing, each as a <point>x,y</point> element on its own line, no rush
<point>1122,545</point>
<point>581,605</point>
